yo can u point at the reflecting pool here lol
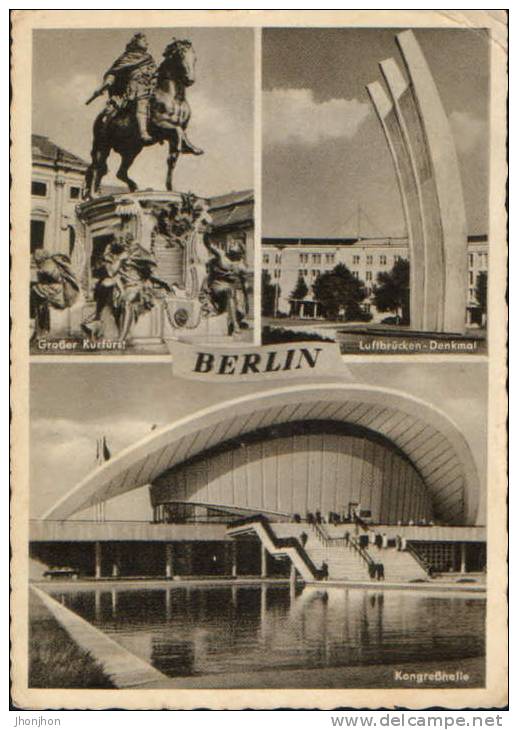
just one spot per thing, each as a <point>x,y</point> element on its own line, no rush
<point>191,631</point>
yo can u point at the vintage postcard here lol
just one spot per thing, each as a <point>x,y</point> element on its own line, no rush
<point>259,359</point>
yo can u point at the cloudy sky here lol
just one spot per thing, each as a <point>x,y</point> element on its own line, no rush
<point>68,65</point>
<point>324,152</point>
<point>73,404</point>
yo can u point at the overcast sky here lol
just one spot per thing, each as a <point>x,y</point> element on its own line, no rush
<point>73,404</point>
<point>324,152</point>
<point>68,65</point>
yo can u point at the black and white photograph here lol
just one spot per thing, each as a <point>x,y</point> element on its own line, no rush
<point>142,203</point>
<point>375,188</point>
<point>258,362</point>
<point>324,535</point>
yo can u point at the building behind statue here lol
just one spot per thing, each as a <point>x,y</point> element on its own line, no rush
<point>286,259</point>
<point>61,223</point>
<point>56,188</point>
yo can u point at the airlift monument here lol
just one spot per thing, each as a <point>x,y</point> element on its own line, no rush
<point>421,144</point>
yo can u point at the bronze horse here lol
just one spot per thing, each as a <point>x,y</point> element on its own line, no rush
<point>169,116</point>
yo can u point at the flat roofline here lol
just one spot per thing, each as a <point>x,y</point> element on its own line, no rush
<point>349,241</point>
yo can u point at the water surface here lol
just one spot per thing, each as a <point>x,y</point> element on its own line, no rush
<point>190,631</point>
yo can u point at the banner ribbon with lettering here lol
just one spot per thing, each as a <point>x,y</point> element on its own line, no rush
<point>243,363</point>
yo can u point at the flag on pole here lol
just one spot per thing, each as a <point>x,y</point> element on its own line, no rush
<point>106,450</point>
<point>103,452</point>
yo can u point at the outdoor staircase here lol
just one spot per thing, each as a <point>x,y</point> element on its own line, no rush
<point>289,547</point>
<point>400,565</point>
<point>345,559</point>
<point>343,562</point>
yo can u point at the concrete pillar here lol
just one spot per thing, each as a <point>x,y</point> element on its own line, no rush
<point>463,557</point>
<point>98,605</point>
<point>114,603</point>
<point>233,555</point>
<point>293,573</point>
<point>188,558</point>
<point>116,562</point>
<point>293,581</point>
<point>168,560</point>
<point>264,562</point>
<point>168,603</point>
<point>97,559</point>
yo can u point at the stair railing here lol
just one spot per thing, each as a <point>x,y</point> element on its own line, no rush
<point>365,556</point>
<point>425,565</point>
<point>350,543</point>
<point>320,533</point>
<point>281,542</point>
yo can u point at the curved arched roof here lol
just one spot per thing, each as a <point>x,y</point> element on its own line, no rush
<point>429,439</point>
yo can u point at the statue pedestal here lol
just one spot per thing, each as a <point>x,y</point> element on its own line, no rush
<point>166,230</point>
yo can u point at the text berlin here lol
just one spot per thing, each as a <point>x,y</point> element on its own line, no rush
<point>250,363</point>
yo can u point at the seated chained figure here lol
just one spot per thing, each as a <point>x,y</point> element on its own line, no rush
<point>56,287</point>
<point>125,288</point>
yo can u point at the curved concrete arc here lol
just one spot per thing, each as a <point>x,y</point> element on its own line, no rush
<point>421,198</point>
<point>430,440</point>
<point>410,198</point>
<point>444,181</point>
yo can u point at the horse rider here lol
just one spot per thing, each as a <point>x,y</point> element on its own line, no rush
<point>130,78</point>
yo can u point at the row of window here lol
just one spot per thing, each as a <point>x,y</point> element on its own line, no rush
<point>316,272</point>
<point>277,259</point>
<point>329,258</point>
<point>40,189</point>
<point>316,258</point>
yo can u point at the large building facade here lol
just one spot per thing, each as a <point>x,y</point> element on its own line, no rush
<point>286,259</point>
<point>243,482</point>
<point>56,189</point>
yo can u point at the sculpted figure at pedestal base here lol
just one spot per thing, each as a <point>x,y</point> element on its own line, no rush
<point>56,287</point>
<point>226,285</point>
<point>126,288</point>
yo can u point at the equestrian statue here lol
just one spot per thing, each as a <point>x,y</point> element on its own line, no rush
<point>145,105</point>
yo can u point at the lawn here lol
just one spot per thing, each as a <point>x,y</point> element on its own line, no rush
<point>55,661</point>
